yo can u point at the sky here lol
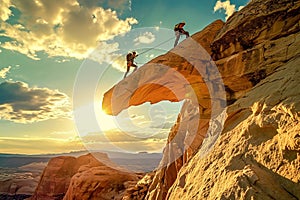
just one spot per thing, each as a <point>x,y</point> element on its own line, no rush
<point>51,50</point>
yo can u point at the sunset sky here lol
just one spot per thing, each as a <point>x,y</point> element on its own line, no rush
<point>45,45</point>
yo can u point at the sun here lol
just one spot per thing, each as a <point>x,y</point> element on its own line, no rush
<point>105,121</point>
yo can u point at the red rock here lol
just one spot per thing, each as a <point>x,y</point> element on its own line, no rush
<point>76,178</point>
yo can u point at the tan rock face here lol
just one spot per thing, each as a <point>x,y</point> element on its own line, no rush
<point>80,178</point>
<point>258,22</point>
<point>257,156</point>
<point>257,54</point>
<point>98,183</point>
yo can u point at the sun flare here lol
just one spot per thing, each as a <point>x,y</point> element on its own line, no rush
<point>105,121</point>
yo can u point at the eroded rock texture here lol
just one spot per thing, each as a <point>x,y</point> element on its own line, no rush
<point>257,155</point>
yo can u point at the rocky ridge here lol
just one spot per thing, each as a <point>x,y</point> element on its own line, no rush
<point>257,155</point>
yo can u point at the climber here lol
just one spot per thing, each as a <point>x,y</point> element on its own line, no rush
<point>130,62</point>
<point>180,31</point>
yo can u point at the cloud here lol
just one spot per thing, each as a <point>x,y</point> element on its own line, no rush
<point>240,8</point>
<point>61,28</point>
<point>30,145</point>
<point>119,5</point>
<point>124,140</point>
<point>144,124</point>
<point>150,56</point>
<point>146,38</point>
<point>227,6</point>
<point>62,60</point>
<point>5,11</point>
<point>166,125</point>
<point>4,71</point>
<point>106,53</point>
<point>130,4</point>
<point>22,104</point>
<point>63,134</point>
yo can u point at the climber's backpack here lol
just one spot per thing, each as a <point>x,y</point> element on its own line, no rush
<point>129,56</point>
<point>176,27</point>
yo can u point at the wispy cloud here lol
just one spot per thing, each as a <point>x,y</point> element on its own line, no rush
<point>32,145</point>
<point>118,5</point>
<point>60,28</point>
<point>227,6</point>
<point>22,104</point>
<point>4,71</point>
<point>107,53</point>
<point>155,123</point>
<point>124,140</point>
<point>145,38</point>
<point>130,5</point>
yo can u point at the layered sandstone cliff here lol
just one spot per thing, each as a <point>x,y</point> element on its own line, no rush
<point>257,155</point>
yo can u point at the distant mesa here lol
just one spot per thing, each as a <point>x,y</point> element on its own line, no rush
<point>143,152</point>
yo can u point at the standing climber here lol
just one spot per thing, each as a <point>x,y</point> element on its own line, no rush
<point>180,31</point>
<point>130,62</point>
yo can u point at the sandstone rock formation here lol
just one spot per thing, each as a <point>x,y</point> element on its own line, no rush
<point>138,191</point>
<point>84,177</point>
<point>257,155</point>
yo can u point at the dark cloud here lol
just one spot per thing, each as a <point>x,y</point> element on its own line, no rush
<point>20,103</point>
